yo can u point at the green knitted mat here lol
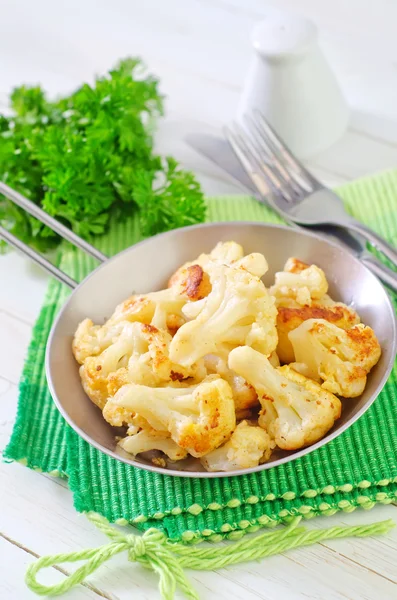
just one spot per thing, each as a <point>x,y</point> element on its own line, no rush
<point>358,469</point>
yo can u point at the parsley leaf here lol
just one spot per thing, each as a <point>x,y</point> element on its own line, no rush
<point>90,155</point>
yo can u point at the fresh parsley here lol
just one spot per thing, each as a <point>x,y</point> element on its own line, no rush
<point>90,155</point>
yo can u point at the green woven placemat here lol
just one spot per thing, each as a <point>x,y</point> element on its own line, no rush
<point>359,468</point>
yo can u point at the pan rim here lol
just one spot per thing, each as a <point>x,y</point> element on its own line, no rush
<point>265,466</point>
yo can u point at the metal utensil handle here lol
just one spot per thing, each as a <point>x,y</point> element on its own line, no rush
<point>374,239</point>
<point>31,208</point>
<point>38,258</point>
<point>388,276</point>
<point>52,223</point>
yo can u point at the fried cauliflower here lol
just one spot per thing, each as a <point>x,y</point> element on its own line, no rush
<point>195,369</point>
<point>162,309</point>
<point>289,319</point>
<point>296,411</point>
<point>95,371</point>
<point>139,355</point>
<point>237,311</point>
<point>191,282</point>
<point>91,340</point>
<point>199,418</point>
<point>248,446</point>
<point>223,253</point>
<point>299,282</point>
<point>150,439</point>
<point>244,395</point>
<point>342,359</point>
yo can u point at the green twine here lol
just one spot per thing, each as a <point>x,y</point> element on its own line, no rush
<point>168,559</point>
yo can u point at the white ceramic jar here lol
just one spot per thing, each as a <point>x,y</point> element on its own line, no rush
<point>291,83</point>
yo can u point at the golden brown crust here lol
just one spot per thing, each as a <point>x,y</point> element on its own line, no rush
<point>94,385</point>
<point>339,315</point>
<point>174,322</point>
<point>116,380</point>
<point>134,308</point>
<point>192,281</point>
<point>289,319</point>
<point>366,342</point>
<point>294,265</point>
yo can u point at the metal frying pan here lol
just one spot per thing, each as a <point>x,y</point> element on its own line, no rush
<point>146,267</point>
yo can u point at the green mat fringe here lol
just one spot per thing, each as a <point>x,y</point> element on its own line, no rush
<point>358,469</point>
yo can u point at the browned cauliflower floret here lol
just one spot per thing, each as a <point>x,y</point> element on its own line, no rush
<point>248,446</point>
<point>255,263</point>
<point>162,309</point>
<point>237,311</point>
<point>199,418</point>
<point>153,355</point>
<point>139,355</point>
<point>295,265</point>
<point>298,283</point>
<point>95,371</point>
<point>244,395</point>
<point>91,340</point>
<point>223,253</point>
<point>341,358</point>
<point>296,411</point>
<point>150,439</point>
<point>191,282</point>
<point>290,318</point>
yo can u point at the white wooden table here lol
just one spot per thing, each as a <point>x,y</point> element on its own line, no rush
<point>200,50</point>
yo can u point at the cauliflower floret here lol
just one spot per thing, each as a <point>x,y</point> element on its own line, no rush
<point>91,340</point>
<point>151,354</point>
<point>199,418</point>
<point>248,446</point>
<point>298,283</point>
<point>296,411</point>
<point>289,319</point>
<point>341,358</point>
<point>237,311</point>
<point>244,395</point>
<point>223,253</point>
<point>162,309</point>
<point>95,371</point>
<point>255,263</point>
<point>139,355</point>
<point>150,439</point>
<point>191,282</point>
<point>295,265</point>
<point>226,253</point>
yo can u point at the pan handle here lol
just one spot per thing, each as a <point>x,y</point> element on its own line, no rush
<point>38,258</point>
<point>53,224</point>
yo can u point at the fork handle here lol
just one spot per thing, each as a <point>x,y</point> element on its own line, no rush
<point>374,239</point>
<point>387,275</point>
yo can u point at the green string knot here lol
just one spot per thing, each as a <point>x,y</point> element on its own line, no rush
<point>141,548</point>
<point>137,547</point>
<point>168,559</point>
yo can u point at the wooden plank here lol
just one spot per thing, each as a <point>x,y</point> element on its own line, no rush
<point>15,268</point>
<point>15,561</point>
<point>15,339</point>
<point>67,531</point>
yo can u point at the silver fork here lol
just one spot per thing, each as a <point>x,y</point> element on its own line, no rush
<point>288,186</point>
